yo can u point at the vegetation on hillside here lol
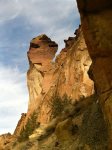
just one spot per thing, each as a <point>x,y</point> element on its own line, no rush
<point>58,104</point>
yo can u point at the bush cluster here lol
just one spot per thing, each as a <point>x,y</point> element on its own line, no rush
<point>58,104</point>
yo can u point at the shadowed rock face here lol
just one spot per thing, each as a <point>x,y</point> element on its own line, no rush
<point>93,6</point>
<point>96,17</point>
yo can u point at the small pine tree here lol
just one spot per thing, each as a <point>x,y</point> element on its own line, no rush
<point>58,104</point>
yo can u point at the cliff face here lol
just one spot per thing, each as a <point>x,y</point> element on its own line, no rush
<point>96,24</point>
<point>66,78</point>
<point>70,78</point>
<point>71,73</point>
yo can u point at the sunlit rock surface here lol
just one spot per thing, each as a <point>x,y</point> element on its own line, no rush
<point>70,77</point>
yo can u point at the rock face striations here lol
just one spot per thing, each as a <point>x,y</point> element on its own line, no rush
<point>96,17</point>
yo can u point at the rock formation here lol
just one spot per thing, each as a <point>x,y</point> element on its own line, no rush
<point>70,76</point>
<point>54,87</point>
<point>57,96</point>
<point>67,76</point>
<point>39,77</point>
<point>96,24</point>
<point>64,111</point>
<point>4,140</point>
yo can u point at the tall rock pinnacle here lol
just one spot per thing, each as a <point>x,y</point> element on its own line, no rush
<point>41,53</point>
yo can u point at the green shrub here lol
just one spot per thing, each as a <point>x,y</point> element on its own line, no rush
<point>58,104</point>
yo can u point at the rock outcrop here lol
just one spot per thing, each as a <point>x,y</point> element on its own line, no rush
<point>5,139</point>
<point>54,85</point>
<point>70,77</point>
<point>66,77</point>
<point>96,24</point>
<point>74,80</point>
<point>39,77</point>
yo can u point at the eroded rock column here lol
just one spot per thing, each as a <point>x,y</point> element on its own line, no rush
<point>39,77</point>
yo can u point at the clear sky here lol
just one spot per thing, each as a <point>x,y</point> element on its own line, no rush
<point>20,21</point>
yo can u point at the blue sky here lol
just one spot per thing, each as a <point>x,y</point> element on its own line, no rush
<point>20,21</point>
